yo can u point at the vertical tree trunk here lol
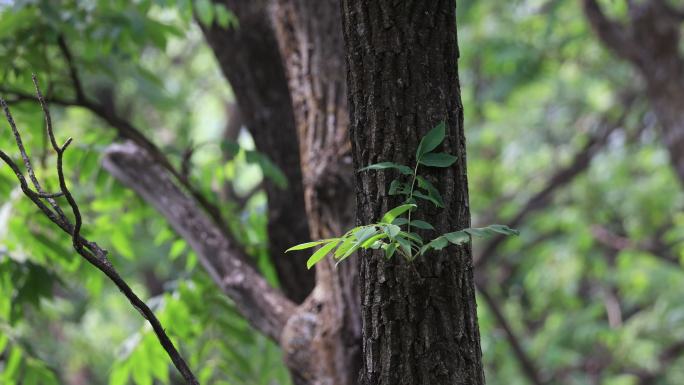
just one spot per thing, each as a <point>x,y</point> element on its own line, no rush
<point>249,58</point>
<point>419,319</point>
<point>309,34</point>
<point>651,43</point>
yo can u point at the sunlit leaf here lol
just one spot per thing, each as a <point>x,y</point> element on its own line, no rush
<point>395,212</point>
<point>308,245</point>
<point>320,254</point>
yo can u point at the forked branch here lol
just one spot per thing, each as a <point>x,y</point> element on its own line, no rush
<point>90,251</point>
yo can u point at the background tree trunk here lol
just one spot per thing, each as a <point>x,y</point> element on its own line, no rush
<point>309,34</point>
<point>650,42</point>
<point>419,319</point>
<point>249,58</point>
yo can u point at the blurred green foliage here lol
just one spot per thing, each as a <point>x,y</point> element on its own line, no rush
<point>537,86</point>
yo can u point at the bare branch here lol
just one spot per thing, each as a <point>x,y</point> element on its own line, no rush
<point>90,251</point>
<point>73,72</point>
<point>618,242</point>
<point>527,365</point>
<point>229,267</point>
<point>613,35</point>
<point>127,130</point>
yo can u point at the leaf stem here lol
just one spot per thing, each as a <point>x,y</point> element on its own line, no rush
<point>413,184</point>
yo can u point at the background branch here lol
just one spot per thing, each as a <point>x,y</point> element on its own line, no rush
<point>90,251</point>
<point>228,266</point>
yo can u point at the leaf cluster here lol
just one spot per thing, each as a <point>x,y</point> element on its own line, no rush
<point>392,233</point>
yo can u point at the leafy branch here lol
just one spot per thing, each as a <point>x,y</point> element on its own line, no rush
<point>90,251</point>
<point>389,234</point>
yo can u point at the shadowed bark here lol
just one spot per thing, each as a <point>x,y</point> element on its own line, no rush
<point>321,341</point>
<point>249,58</point>
<point>309,34</point>
<point>419,319</point>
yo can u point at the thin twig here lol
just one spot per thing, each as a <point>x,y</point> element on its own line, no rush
<point>527,364</point>
<point>90,251</point>
<point>124,127</point>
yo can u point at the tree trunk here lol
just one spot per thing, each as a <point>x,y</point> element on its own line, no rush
<point>309,34</point>
<point>650,42</point>
<point>249,58</point>
<point>419,319</point>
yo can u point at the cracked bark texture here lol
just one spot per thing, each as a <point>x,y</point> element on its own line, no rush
<point>650,41</point>
<point>309,34</point>
<point>249,58</point>
<point>419,319</point>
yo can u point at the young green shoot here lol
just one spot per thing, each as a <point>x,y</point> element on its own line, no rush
<point>387,234</point>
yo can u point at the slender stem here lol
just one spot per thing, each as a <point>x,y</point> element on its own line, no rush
<point>413,184</point>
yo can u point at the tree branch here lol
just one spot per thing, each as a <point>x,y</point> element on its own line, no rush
<point>90,251</point>
<point>263,306</point>
<point>613,35</point>
<point>562,177</point>
<point>527,365</point>
<point>124,127</point>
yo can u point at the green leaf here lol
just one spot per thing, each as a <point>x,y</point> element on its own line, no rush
<point>347,243</point>
<point>431,190</point>
<point>420,195</point>
<point>320,254</point>
<point>405,246</point>
<point>437,244</point>
<point>308,245</point>
<point>503,229</point>
<point>431,140</point>
<point>478,232</point>
<point>398,187</point>
<point>393,229</point>
<point>205,11</point>
<point>457,237</point>
<point>224,17</point>
<point>422,225</point>
<point>412,236</point>
<point>385,165</point>
<point>364,232</point>
<point>395,212</point>
<point>362,236</point>
<point>491,230</point>
<point>440,159</point>
<point>390,249</point>
<point>400,221</point>
<point>177,249</point>
<point>370,241</point>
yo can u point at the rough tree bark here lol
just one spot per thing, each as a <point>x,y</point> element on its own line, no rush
<point>419,319</point>
<point>650,42</point>
<point>249,58</point>
<point>309,34</point>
